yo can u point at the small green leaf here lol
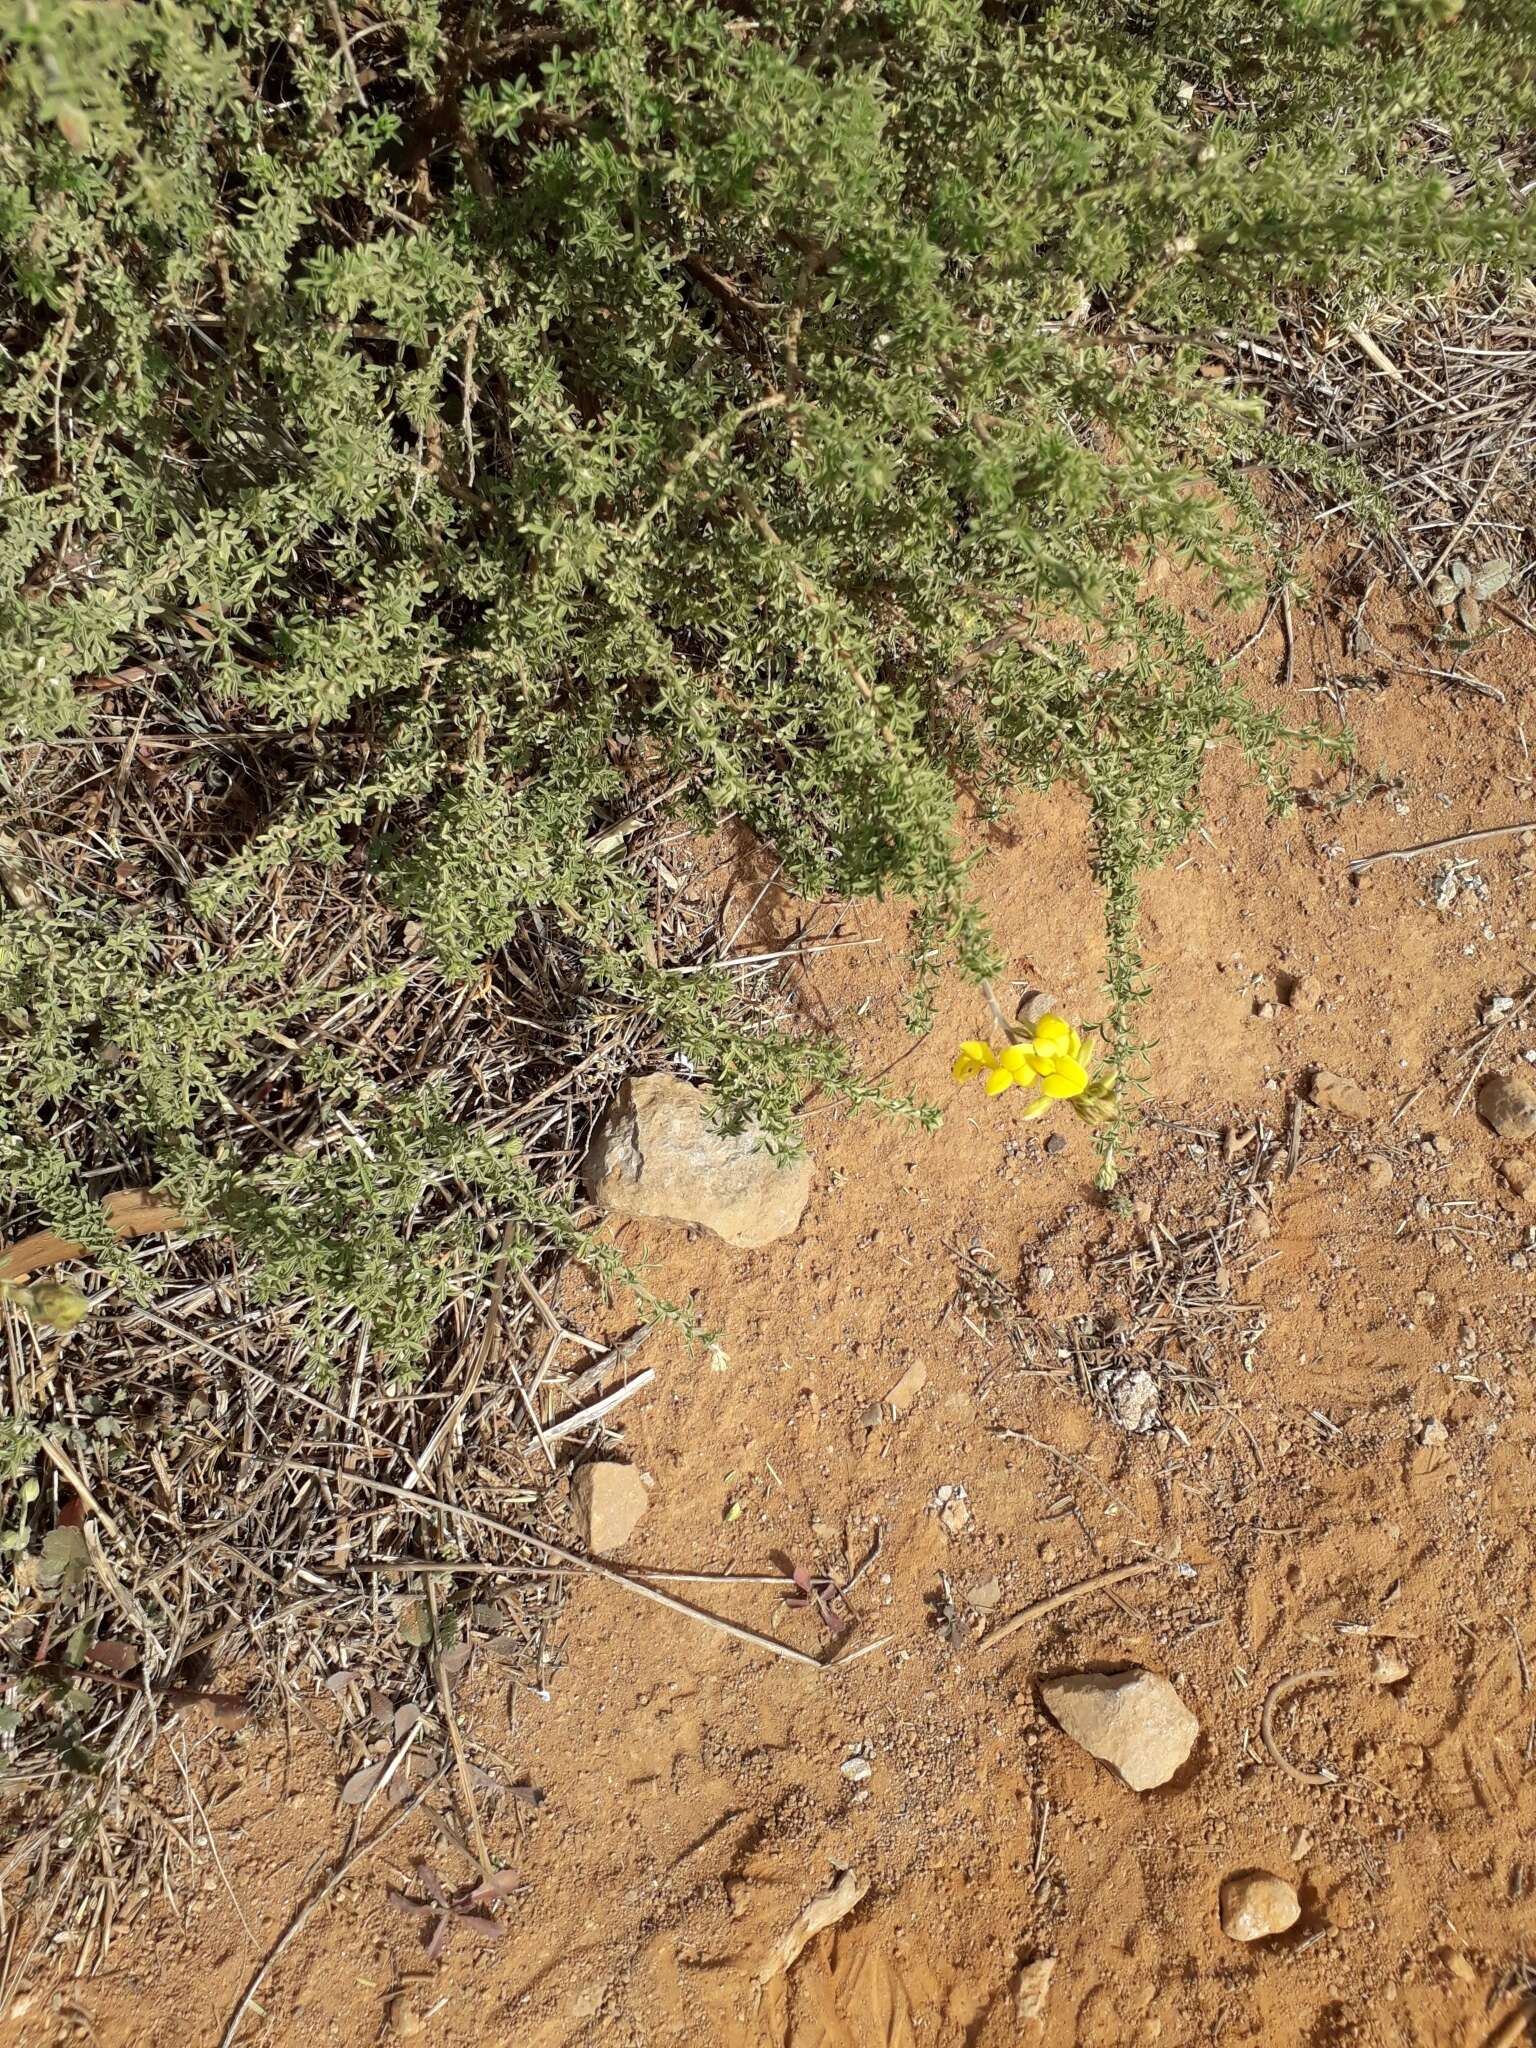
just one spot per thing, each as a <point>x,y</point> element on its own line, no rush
<point>1492,577</point>
<point>10,1721</point>
<point>77,1757</point>
<point>416,1625</point>
<point>65,1559</point>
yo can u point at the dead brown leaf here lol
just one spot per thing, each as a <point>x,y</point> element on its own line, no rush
<point>824,1911</point>
<point>134,1212</point>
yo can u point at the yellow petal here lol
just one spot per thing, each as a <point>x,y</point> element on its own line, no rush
<point>1053,1035</point>
<point>1038,1107</point>
<point>1066,1078</point>
<point>1019,1061</point>
<point>974,1057</point>
<point>998,1080</point>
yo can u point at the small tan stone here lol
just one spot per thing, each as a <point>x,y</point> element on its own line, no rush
<point>1256,1904</point>
<point>1031,1989</point>
<point>402,2020</point>
<point>1132,1720</point>
<point>1519,1176</point>
<point>1337,1095</point>
<point>609,1499</point>
<point>1508,1102</point>
<point>1389,1668</point>
<point>1378,1171</point>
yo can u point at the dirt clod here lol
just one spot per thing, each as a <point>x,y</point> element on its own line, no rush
<point>1303,993</point>
<point>609,1499</point>
<point>1519,1176</point>
<point>656,1154</point>
<point>1256,1904</point>
<point>1508,1103</point>
<point>1379,1171</point>
<point>1132,1720</point>
<point>1337,1095</point>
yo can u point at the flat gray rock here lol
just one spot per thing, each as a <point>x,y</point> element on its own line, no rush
<point>656,1154</point>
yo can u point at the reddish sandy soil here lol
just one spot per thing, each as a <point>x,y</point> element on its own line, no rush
<point>694,1796</point>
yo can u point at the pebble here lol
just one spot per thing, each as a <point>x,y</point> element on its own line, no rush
<point>609,1499</point>
<point>1031,1988</point>
<point>1498,1008</point>
<point>1131,1720</point>
<point>953,1509</point>
<point>1055,1145</point>
<point>1508,1103</point>
<point>1338,1095</point>
<point>1134,1398</point>
<point>401,2018</point>
<point>1519,1176</point>
<point>1036,1004</point>
<point>1433,1434</point>
<point>1378,1171</point>
<point>1256,1904</point>
<point>1389,1668</point>
<point>858,1770</point>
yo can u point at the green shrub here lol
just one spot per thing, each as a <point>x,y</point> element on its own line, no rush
<point>523,405</point>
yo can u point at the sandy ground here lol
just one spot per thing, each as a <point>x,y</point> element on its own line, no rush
<point>1355,1499</point>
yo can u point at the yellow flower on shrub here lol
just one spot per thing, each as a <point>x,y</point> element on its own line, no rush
<point>1013,1066</point>
<point>1052,1058</point>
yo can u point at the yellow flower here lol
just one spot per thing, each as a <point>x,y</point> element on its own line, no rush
<point>1013,1066</point>
<point>1051,1057</point>
<point>1055,1054</point>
